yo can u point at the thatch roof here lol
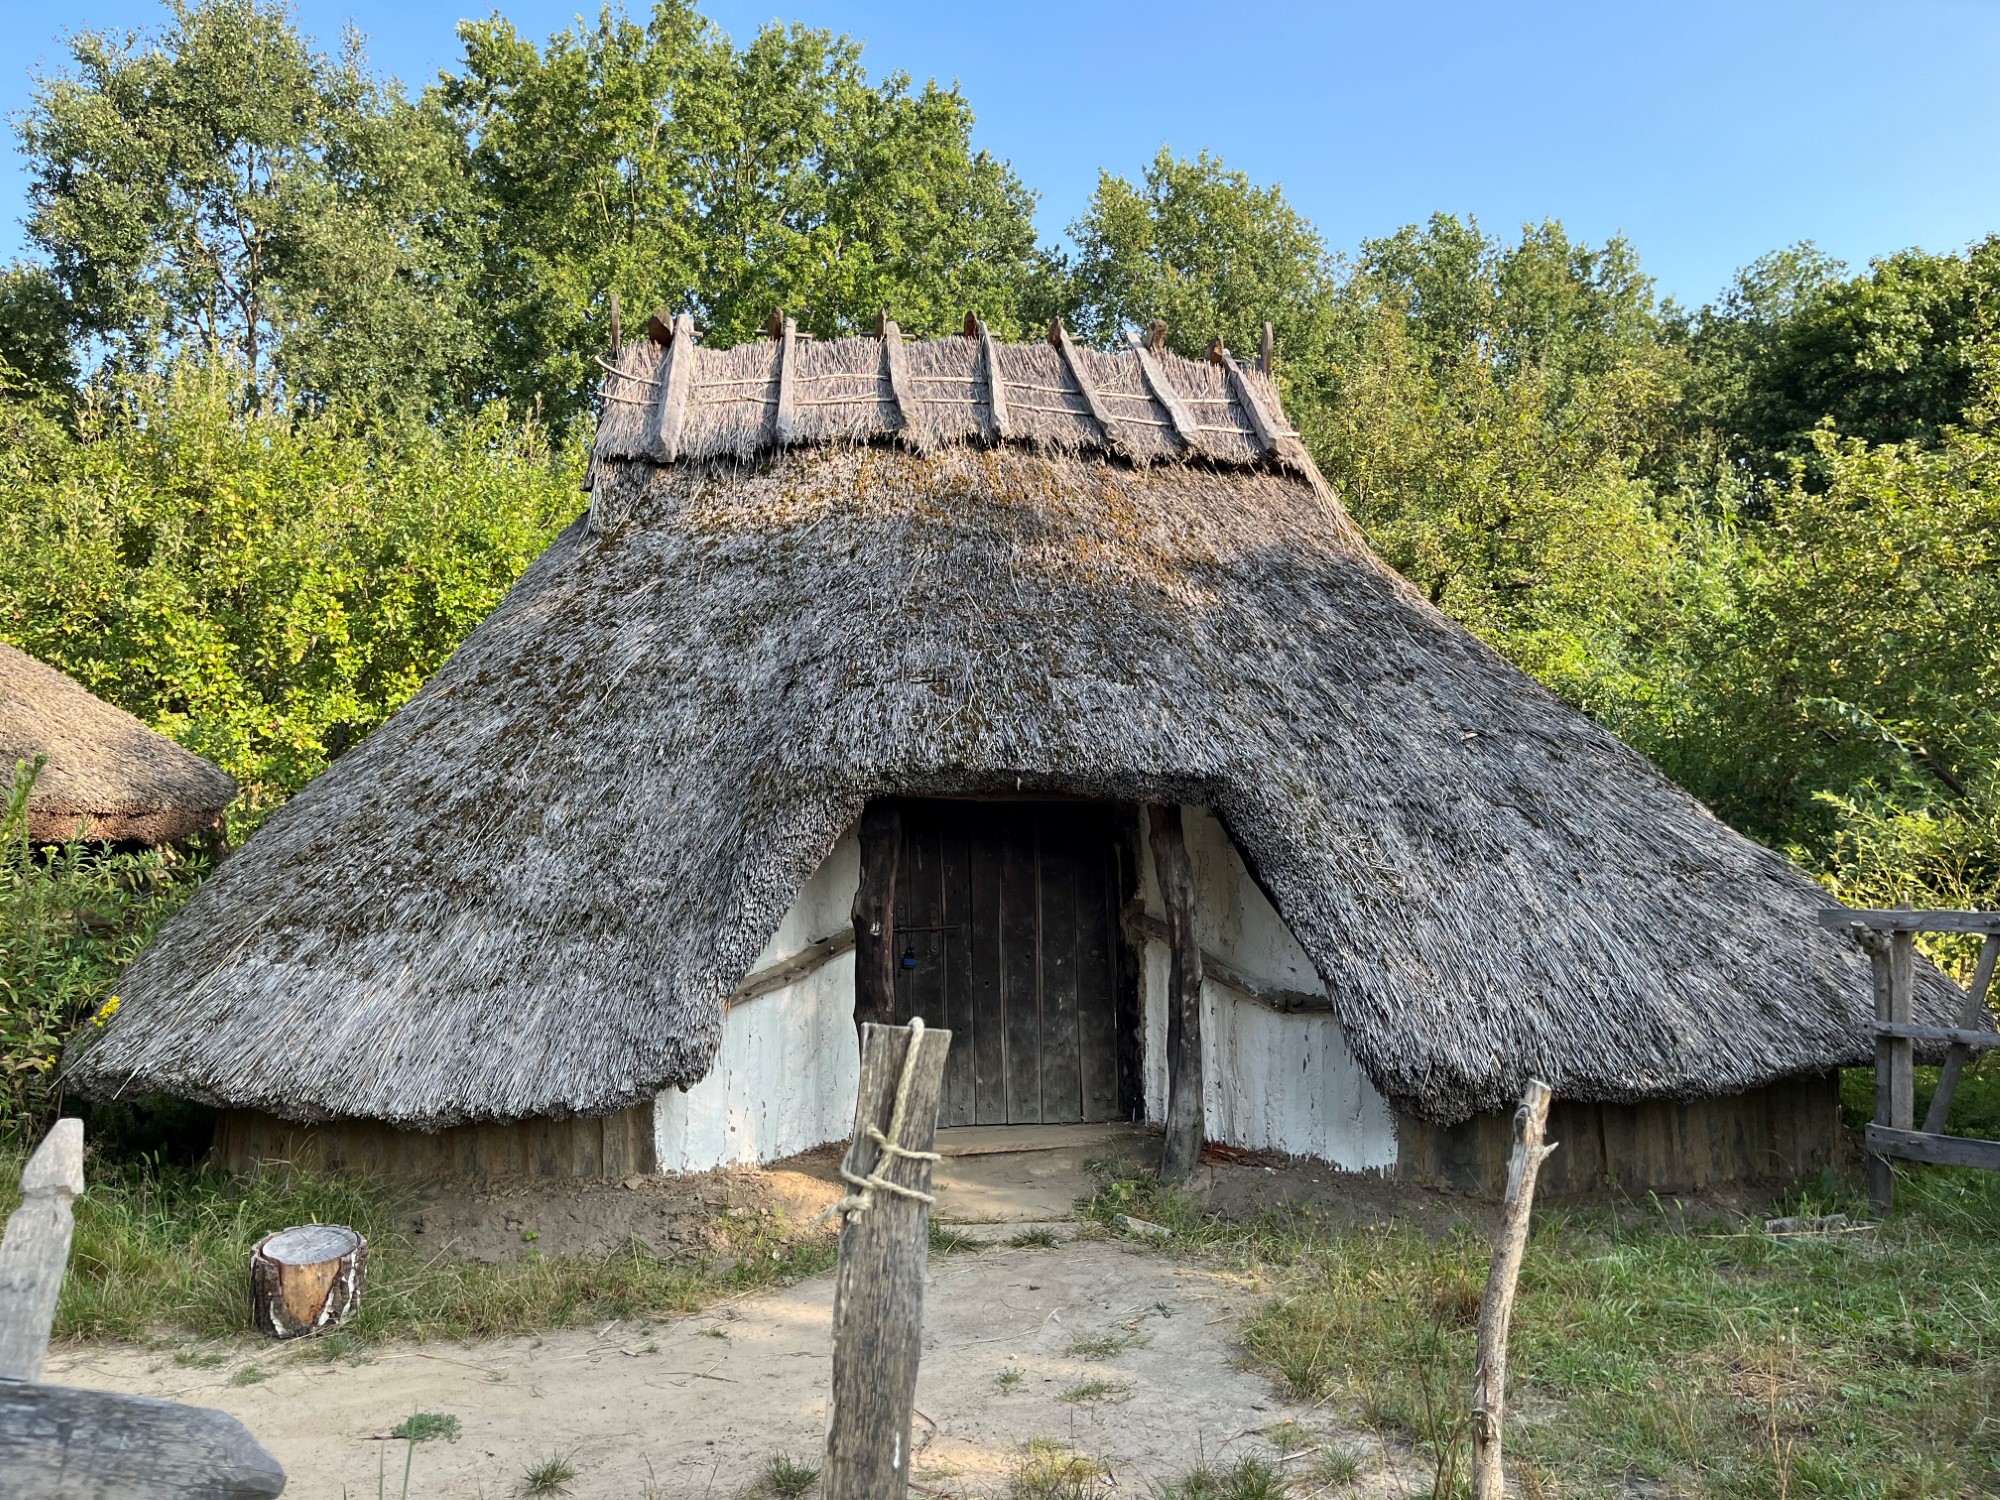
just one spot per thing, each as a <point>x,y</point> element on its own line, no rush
<point>107,776</point>
<point>531,889</point>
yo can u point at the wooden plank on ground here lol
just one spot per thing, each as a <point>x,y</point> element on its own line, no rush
<point>57,1443</point>
<point>1939,1150</point>
<point>35,1252</point>
<point>1977,922</point>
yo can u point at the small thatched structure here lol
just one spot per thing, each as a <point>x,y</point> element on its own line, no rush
<point>107,776</point>
<point>813,575</point>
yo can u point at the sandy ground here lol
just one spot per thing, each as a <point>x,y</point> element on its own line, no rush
<point>696,1406</point>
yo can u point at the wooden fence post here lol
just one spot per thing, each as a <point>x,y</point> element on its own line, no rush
<point>1496,1307</point>
<point>1182,1152</point>
<point>878,1292</point>
<point>35,1251</point>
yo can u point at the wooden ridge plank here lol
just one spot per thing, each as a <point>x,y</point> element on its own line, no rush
<point>678,376</point>
<point>898,360</point>
<point>1163,391</point>
<point>1939,1150</point>
<point>996,386</point>
<point>1841,918</point>
<point>1271,433</point>
<point>784,416</point>
<point>1113,438</point>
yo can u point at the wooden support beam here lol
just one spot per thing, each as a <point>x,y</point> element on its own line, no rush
<point>1970,1037</point>
<point>784,418</point>
<point>1841,918</point>
<point>1270,434</point>
<point>1145,925</point>
<point>1100,413</point>
<point>996,385</point>
<point>789,971</point>
<point>1496,1307</point>
<point>35,1250</point>
<point>1182,1152</point>
<point>1976,1022</point>
<point>1939,1150</point>
<point>878,1288</point>
<point>617,329</point>
<point>898,361</point>
<point>677,375</point>
<point>1890,956</point>
<point>875,915</point>
<point>1164,392</point>
<point>1264,352</point>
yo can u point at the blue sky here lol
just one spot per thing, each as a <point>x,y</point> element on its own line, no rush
<point>1707,133</point>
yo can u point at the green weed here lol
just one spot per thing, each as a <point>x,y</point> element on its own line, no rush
<point>1036,1239</point>
<point>1049,1470</point>
<point>787,1478</point>
<point>552,1476</point>
<point>1089,1391</point>
<point>422,1426</point>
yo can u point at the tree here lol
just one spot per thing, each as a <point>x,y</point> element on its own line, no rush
<point>224,188</point>
<point>665,163</point>
<point>35,360</point>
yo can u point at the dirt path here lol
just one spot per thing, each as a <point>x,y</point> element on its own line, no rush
<point>697,1406</point>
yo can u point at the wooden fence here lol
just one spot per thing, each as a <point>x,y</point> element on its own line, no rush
<point>1891,938</point>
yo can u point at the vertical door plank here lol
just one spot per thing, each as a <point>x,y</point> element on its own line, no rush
<point>989,995</point>
<point>1062,1065</point>
<point>957,1011</point>
<point>1097,972</point>
<point>1019,964</point>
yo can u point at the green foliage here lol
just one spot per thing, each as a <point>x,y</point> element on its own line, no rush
<point>264,588</point>
<point>35,358</point>
<point>70,919</point>
<point>223,188</point>
<point>666,163</point>
<point>422,1426</point>
<point>787,1478</point>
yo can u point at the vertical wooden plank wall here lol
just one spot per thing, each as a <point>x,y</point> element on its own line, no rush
<point>607,1147</point>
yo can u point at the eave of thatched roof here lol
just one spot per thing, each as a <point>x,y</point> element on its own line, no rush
<point>530,890</point>
<point>107,775</point>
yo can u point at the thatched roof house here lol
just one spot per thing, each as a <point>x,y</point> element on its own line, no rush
<point>107,776</point>
<point>609,850</point>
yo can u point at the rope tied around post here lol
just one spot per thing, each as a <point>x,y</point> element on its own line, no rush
<point>890,1144</point>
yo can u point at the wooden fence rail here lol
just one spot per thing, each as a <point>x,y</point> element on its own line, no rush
<point>1890,938</point>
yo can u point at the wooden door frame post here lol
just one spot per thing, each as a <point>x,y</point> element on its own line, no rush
<point>881,837</point>
<point>878,1290</point>
<point>1182,1152</point>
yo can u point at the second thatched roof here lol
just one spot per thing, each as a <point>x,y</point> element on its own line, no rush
<point>107,776</point>
<point>529,892</point>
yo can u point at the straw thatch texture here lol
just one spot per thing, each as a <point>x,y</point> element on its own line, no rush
<point>530,890</point>
<point>108,776</point>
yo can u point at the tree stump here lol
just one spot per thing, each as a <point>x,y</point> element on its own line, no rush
<point>305,1279</point>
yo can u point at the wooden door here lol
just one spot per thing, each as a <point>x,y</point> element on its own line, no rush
<point>1006,930</point>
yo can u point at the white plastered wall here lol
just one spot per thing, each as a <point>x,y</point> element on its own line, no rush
<point>785,1078</point>
<point>1271,1081</point>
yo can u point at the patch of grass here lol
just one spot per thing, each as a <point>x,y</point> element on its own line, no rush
<point>1036,1239</point>
<point>1709,1359</point>
<point>161,1248</point>
<point>1106,1346</point>
<point>1049,1470</point>
<point>949,1239</point>
<point>1086,1391</point>
<point>786,1477</point>
<point>1333,1466</point>
<point>552,1476</point>
<point>1246,1479</point>
<point>422,1426</point>
<point>191,1359</point>
<point>249,1375</point>
<point>1010,1381</point>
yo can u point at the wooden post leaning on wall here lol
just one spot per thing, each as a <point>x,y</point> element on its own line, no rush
<point>878,1290</point>
<point>1496,1307</point>
<point>875,915</point>
<point>1182,1152</point>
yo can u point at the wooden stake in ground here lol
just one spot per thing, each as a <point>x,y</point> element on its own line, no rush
<point>306,1279</point>
<point>35,1252</point>
<point>1184,1086</point>
<point>878,1291</point>
<point>1496,1308</point>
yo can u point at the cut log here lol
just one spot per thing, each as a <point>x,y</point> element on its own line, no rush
<point>306,1279</point>
<point>875,916</point>
<point>1496,1307</point>
<point>1182,1151</point>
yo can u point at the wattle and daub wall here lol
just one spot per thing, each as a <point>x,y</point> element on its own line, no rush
<point>784,1080</point>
